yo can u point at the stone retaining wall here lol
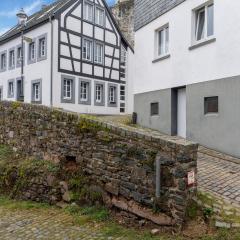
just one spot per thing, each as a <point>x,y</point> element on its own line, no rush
<point>120,161</point>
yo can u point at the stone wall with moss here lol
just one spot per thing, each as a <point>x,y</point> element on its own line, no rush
<point>119,161</point>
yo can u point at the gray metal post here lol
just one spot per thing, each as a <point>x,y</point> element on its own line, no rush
<point>158,176</point>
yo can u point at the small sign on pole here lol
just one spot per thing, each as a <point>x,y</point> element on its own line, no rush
<point>191,178</point>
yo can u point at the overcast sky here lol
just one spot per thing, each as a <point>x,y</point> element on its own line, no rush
<point>9,8</point>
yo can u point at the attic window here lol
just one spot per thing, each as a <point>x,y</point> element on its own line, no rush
<point>88,11</point>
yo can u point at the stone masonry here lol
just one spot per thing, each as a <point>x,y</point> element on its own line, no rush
<point>120,161</point>
<point>123,12</point>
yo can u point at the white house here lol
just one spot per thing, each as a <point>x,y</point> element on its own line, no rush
<point>187,70</point>
<point>74,57</point>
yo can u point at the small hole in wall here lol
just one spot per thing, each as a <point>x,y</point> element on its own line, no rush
<point>70,163</point>
<point>70,159</point>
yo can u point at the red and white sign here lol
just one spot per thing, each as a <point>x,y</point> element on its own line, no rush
<point>191,178</point>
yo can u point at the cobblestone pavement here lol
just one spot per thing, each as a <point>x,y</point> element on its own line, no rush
<point>219,177</point>
<point>44,225</point>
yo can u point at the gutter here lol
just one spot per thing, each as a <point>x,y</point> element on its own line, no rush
<point>51,66</point>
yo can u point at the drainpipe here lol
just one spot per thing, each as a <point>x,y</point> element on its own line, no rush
<point>158,176</point>
<point>51,66</point>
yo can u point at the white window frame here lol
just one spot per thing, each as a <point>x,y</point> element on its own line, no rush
<point>67,89</point>
<point>19,58</point>
<point>84,91</point>
<point>1,93</point>
<point>11,88</point>
<point>122,107</point>
<point>42,47</point>
<point>196,22</point>
<point>36,92</point>
<point>99,93</point>
<point>98,53</point>
<point>3,61</point>
<point>87,45</point>
<point>165,44</point>
<point>89,16</point>
<point>122,93</point>
<point>12,58</point>
<point>99,16</point>
<point>112,94</point>
<point>32,51</point>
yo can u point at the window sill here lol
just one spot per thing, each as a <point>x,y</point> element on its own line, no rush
<point>37,102</point>
<point>161,58</point>
<point>202,43</point>
<point>211,114</point>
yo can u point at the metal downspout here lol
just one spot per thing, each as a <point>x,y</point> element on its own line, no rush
<point>51,67</point>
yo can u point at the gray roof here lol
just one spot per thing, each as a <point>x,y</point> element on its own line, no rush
<point>148,10</point>
<point>35,19</point>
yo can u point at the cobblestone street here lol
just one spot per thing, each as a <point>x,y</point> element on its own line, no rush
<point>44,224</point>
<point>219,177</point>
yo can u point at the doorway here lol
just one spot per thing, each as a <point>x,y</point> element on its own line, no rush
<point>20,96</point>
<point>181,113</point>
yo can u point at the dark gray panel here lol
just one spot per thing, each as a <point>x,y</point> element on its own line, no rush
<point>142,106</point>
<point>219,131</point>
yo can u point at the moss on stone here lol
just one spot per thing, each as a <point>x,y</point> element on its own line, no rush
<point>192,210</point>
<point>15,105</point>
<point>87,126</point>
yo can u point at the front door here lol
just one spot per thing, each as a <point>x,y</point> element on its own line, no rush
<point>181,113</point>
<point>20,96</point>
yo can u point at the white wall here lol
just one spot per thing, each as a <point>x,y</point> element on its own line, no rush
<point>38,70</point>
<point>213,61</point>
<point>129,79</point>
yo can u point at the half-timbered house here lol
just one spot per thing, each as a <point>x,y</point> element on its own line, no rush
<point>71,55</point>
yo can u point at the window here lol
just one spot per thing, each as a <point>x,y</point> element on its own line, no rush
<point>10,89</point>
<point>99,93</point>
<point>36,92</point>
<point>67,89</point>
<point>32,51</point>
<point>122,93</point>
<point>154,109</point>
<point>122,107</point>
<point>84,91</point>
<point>11,58</point>
<point>112,94</point>
<point>163,41</point>
<point>210,105</point>
<point>99,16</point>
<point>1,93</point>
<point>88,11</point>
<point>42,47</point>
<point>19,55</point>
<point>98,53</point>
<point>3,61</point>
<point>204,22</point>
<point>87,50</point>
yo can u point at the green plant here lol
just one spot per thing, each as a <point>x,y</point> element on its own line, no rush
<point>8,203</point>
<point>85,125</point>
<point>192,210</point>
<point>15,105</point>
<point>208,213</point>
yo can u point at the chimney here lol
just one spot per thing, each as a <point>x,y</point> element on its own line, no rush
<point>44,6</point>
<point>22,17</point>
